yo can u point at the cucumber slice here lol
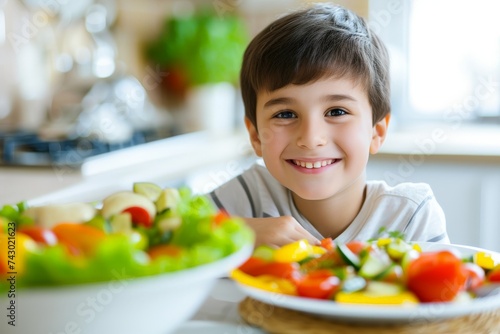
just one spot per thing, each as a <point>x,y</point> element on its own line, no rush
<point>374,266</point>
<point>408,257</point>
<point>168,199</point>
<point>344,272</point>
<point>354,284</point>
<point>397,249</point>
<point>264,252</point>
<point>99,222</point>
<point>393,273</point>
<point>167,221</point>
<point>383,288</point>
<point>348,256</point>
<point>150,190</point>
<point>121,223</point>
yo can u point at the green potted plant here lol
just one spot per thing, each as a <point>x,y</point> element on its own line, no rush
<point>199,49</point>
<point>201,54</point>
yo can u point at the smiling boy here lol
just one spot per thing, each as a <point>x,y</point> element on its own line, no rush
<point>315,85</point>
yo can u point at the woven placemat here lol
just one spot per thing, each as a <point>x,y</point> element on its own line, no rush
<point>278,320</point>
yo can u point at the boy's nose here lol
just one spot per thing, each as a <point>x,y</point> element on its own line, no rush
<point>311,135</point>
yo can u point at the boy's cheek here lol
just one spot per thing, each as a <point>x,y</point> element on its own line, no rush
<point>266,136</point>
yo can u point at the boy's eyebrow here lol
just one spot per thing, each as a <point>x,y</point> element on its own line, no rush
<point>326,98</point>
<point>338,97</point>
<point>279,100</point>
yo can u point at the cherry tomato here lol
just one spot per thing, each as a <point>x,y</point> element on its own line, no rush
<point>140,216</point>
<point>494,275</point>
<point>79,239</point>
<point>475,275</point>
<point>320,284</point>
<point>436,276</point>
<point>40,234</point>
<point>164,250</point>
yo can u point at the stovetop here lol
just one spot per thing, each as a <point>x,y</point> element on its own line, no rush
<point>25,148</point>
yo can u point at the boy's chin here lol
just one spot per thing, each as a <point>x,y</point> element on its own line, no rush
<point>312,195</point>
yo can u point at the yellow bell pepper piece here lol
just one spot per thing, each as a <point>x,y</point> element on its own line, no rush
<point>294,252</point>
<point>14,249</point>
<point>317,250</point>
<point>417,248</point>
<point>485,260</point>
<point>265,282</point>
<point>361,297</point>
<point>382,242</point>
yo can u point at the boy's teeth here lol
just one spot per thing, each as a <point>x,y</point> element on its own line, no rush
<point>316,164</point>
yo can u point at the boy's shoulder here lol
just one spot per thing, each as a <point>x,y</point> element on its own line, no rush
<point>416,191</point>
<point>255,175</point>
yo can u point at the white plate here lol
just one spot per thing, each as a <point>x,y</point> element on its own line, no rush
<point>382,313</point>
<point>212,327</point>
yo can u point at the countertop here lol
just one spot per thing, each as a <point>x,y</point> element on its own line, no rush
<point>444,140</point>
<point>166,162</point>
<point>222,306</point>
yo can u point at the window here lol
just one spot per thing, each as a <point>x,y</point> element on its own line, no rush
<point>445,57</point>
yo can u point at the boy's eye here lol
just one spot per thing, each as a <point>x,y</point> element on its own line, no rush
<point>336,112</point>
<point>285,114</point>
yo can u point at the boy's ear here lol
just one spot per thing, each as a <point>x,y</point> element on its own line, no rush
<point>254,137</point>
<point>379,133</point>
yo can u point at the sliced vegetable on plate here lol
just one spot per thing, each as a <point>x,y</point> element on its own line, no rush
<point>384,271</point>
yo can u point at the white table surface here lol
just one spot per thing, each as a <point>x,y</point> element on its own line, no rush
<point>219,312</point>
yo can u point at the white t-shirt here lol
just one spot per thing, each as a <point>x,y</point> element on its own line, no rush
<point>410,208</point>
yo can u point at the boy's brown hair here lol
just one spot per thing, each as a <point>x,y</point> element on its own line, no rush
<point>323,40</point>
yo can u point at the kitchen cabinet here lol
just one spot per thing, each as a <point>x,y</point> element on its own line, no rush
<point>23,183</point>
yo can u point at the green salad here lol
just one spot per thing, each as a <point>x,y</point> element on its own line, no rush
<point>146,231</point>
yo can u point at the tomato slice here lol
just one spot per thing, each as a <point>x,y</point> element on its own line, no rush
<point>436,276</point>
<point>319,284</point>
<point>140,216</point>
<point>494,275</point>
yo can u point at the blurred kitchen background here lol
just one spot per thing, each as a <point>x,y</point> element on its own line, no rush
<point>94,87</point>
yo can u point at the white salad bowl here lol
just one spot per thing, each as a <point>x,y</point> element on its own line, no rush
<point>148,305</point>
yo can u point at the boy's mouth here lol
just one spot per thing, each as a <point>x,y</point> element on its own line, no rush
<point>313,164</point>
